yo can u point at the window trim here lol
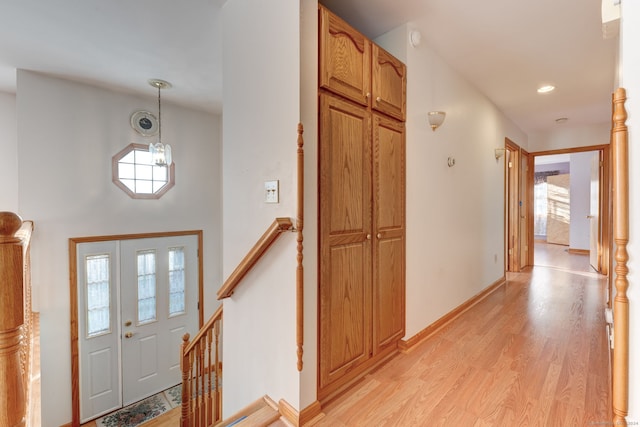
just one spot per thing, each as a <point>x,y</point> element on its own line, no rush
<point>116,179</point>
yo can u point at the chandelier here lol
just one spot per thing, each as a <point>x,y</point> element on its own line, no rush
<point>161,153</point>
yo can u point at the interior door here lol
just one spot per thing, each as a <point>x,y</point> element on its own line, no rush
<point>512,180</point>
<point>345,240</point>
<point>157,310</point>
<point>524,210</point>
<point>136,298</point>
<point>389,255</point>
<point>594,214</point>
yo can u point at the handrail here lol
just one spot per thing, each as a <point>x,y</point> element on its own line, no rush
<point>201,375</point>
<point>15,319</point>
<point>254,255</point>
<point>620,143</point>
<point>203,331</point>
<point>200,363</point>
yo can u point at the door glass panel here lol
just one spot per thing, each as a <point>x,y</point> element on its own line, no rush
<point>176,281</point>
<point>98,295</point>
<point>146,286</point>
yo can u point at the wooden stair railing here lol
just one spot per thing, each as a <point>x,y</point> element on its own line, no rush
<point>256,252</point>
<point>15,320</point>
<point>201,375</point>
<point>620,153</point>
<point>200,360</point>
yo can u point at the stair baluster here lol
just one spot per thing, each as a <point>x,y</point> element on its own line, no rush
<point>201,375</point>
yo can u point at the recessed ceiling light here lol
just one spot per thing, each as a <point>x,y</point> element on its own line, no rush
<point>546,89</point>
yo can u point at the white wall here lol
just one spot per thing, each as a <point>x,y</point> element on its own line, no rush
<point>455,215</point>
<point>9,150</point>
<point>67,134</point>
<point>580,193</point>
<point>309,115</point>
<point>630,80</point>
<point>261,98</point>
<point>567,136</point>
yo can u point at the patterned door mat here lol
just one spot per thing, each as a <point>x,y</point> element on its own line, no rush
<point>143,410</point>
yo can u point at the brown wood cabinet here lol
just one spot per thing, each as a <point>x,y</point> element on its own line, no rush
<point>389,84</point>
<point>362,205</point>
<point>389,225</point>
<point>357,69</point>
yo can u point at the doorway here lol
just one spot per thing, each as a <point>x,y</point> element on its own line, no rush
<point>135,297</point>
<point>571,208</point>
<point>517,207</point>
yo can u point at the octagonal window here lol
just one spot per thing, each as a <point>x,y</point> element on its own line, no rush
<point>135,172</point>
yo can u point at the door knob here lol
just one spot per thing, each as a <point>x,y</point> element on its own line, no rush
<point>128,323</point>
<point>379,235</point>
<point>368,236</point>
<point>378,99</point>
<point>128,335</point>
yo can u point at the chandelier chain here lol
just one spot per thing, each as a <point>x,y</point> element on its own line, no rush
<point>159,117</point>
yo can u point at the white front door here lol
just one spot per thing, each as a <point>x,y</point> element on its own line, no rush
<point>157,310</point>
<point>136,299</point>
<point>98,329</point>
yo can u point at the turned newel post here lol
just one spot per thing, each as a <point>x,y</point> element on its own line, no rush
<point>185,366</point>
<point>620,154</point>
<point>12,391</point>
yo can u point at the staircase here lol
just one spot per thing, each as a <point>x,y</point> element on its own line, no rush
<point>200,361</point>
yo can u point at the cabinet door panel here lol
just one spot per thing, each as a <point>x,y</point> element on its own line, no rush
<point>389,293</point>
<point>345,231</point>
<point>347,319</point>
<point>389,223</point>
<point>389,84</point>
<point>345,59</point>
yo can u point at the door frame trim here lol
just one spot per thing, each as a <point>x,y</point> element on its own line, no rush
<point>605,200</point>
<point>512,195</point>
<point>73,299</point>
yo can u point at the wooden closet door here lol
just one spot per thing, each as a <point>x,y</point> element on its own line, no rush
<point>389,85</point>
<point>345,59</point>
<point>389,226</point>
<point>345,239</point>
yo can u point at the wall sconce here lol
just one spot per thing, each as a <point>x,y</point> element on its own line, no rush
<point>499,152</point>
<point>435,119</point>
<point>415,38</point>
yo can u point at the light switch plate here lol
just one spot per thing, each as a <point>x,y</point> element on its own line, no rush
<point>271,193</point>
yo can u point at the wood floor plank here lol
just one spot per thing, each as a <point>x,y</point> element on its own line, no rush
<point>534,353</point>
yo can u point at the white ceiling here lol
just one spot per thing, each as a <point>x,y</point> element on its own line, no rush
<point>506,48</point>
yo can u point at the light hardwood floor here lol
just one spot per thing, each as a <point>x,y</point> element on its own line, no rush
<point>533,353</point>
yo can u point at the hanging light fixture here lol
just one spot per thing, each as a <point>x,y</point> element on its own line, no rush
<point>161,153</point>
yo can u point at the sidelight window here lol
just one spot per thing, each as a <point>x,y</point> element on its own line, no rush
<point>98,293</point>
